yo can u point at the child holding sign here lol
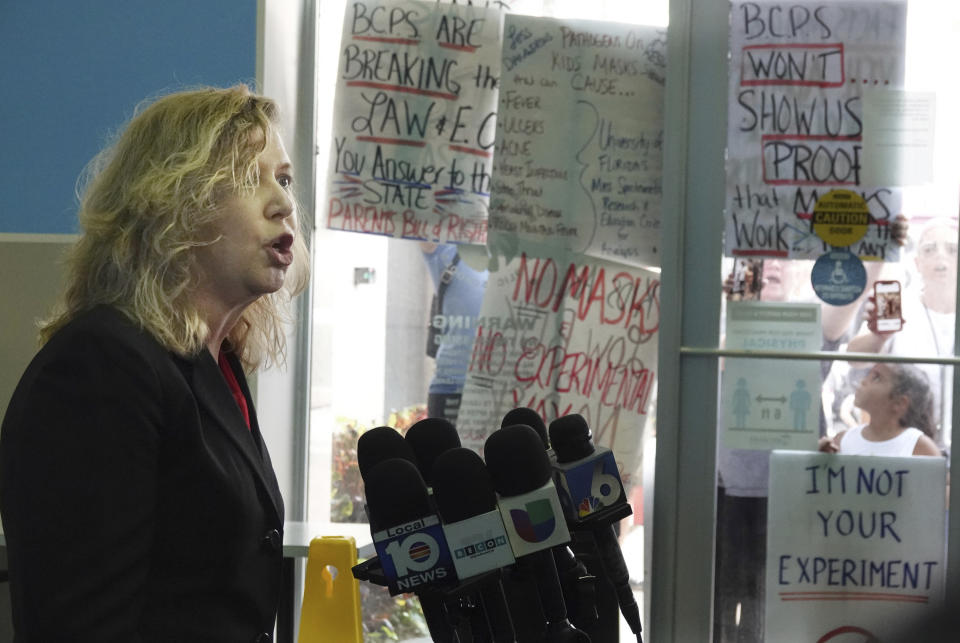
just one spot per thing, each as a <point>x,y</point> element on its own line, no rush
<point>900,404</point>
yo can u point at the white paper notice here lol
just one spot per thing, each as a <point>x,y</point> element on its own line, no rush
<point>898,130</point>
<point>855,546</point>
<point>795,127</point>
<point>414,121</point>
<point>579,139</point>
<point>765,404</point>
<point>565,337</point>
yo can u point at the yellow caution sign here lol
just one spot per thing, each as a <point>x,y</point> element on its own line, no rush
<point>331,595</point>
<point>841,217</point>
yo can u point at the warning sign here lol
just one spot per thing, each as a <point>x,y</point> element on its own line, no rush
<point>840,217</point>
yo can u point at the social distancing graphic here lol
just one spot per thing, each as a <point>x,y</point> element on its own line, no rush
<point>766,405</point>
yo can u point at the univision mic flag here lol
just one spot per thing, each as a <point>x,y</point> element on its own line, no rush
<point>534,521</point>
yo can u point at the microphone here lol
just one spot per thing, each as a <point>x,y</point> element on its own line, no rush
<point>578,583</point>
<point>531,512</point>
<point>379,444</point>
<point>593,498</point>
<point>524,415</point>
<point>467,504</point>
<point>408,539</point>
<point>406,532</point>
<point>428,439</point>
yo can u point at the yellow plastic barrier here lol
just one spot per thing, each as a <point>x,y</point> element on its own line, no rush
<point>331,595</point>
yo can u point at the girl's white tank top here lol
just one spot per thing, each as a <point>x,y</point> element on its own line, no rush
<point>853,443</point>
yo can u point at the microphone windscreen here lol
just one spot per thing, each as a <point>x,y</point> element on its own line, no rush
<point>428,438</point>
<point>571,438</point>
<point>396,494</point>
<point>462,487</point>
<point>516,460</point>
<point>379,444</point>
<point>531,418</point>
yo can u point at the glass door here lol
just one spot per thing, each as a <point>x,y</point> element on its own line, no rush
<point>855,357</point>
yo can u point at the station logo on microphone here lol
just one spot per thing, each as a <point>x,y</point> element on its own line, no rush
<point>587,487</point>
<point>414,554</point>
<point>534,521</point>
<point>478,544</point>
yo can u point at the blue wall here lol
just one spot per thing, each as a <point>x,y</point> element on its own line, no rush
<point>71,73</point>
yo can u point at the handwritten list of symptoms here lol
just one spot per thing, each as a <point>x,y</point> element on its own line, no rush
<point>579,136</point>
<point>561,337</point>
<point>798,72</point>
<point>414,121</point>
<point>855,545</point>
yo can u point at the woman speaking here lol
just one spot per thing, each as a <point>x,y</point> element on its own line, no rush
<point>138,499</point>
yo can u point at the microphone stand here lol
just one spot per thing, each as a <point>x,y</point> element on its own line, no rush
<point>589,535</point>
<point>451,612</point>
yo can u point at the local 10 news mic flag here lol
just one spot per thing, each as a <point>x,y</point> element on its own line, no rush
<point>407,535</point>
<point>533,518</point>
<point>412,553</point>
<point>593,499</point>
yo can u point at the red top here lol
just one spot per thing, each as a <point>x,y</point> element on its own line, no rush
<point>234,386</point>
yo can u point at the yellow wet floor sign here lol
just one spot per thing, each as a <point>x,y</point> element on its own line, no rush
<point>331,595</point>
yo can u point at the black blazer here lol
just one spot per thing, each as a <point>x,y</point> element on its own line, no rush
<point>137,505</point>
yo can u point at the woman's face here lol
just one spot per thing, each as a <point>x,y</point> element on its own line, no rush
<point>937,257</point>
<point>256,232</point>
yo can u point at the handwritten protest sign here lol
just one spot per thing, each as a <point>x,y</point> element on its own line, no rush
<point>854,544</point>
<point>798,72</point>
<point>414,121</point>
<point>577,165</point>
<point>565,337</point>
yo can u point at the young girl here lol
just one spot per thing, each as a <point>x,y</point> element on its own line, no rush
<point>900,404</point>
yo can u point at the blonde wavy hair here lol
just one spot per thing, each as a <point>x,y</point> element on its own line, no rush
<point>147,203</point>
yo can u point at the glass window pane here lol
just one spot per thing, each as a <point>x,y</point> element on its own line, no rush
<point>382,306</point>
<point>907,310</point>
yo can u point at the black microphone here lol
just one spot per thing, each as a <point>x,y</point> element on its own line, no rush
<point>524,415</point>
<point>533,517</point>
<point>429,438</point>
<point>409,540</point>
<point>467,504</point>
<point>577,582</point>
<point>379,444</point>
<point>593,498</point>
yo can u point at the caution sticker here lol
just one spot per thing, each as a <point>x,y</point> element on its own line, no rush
<point>840,217</point>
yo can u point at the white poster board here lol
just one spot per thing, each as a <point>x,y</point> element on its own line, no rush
<point>855,544</point>
<point>771,404</point>
<point>414,121</point>
<point>565,337</point>
<point>798,72</point>
<point>577,165</point>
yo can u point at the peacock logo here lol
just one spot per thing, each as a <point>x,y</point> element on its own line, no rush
<point>537,523</point>
<point>588,506</point>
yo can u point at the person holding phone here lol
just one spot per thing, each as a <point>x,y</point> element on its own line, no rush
<point>928,315</point>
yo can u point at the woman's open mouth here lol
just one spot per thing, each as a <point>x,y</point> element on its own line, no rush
<point>281,250</point>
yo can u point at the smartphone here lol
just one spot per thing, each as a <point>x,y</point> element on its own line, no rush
<point>739,278</point>
<point>747,278</point>
<point>889,312</point>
